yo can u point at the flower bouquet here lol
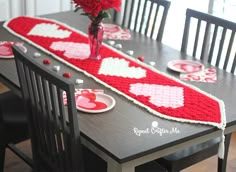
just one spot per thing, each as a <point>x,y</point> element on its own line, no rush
<point>96,10</point>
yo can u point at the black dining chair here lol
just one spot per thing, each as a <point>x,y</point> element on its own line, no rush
<point>147,17</point>
<point>55,134</point>
<point>210,38</point>
<point>13,127</point>
<point>54,126</point>
<point>199,152</point>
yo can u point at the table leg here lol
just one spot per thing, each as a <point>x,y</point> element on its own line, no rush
<point>113,166</point>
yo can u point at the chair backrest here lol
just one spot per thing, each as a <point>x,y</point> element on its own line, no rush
<point>144,16</point>
<point>213,39</point>
<point>55,134</point>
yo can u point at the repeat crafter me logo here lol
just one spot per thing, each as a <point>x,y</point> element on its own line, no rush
<point>155,129</point>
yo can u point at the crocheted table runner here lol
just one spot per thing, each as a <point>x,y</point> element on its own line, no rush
<point>147,87</point>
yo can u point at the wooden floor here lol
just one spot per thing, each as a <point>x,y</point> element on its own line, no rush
<point>14,164</point>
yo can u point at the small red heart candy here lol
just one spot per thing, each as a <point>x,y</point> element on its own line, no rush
<point>46,61</point>
<point>67,74</point>
<point>141,58</point>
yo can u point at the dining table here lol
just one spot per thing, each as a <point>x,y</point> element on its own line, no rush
<point>121,136</point>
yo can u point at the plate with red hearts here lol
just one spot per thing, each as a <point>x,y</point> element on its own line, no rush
<point>6,50</point>
<point>94,102</point>
<point>185,66</point>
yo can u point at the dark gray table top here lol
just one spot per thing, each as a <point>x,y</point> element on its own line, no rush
<point>112,131</point>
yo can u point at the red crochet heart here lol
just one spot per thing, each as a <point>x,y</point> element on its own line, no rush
<point>46,61</point>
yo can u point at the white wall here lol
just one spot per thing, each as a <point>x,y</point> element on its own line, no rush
<point>13,8</point>
<point>9,9</point>
<point>176,20</point>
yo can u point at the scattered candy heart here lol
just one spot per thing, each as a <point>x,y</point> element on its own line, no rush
<point>141,58</point>
<point>46,61</point>
<point>56,68</point>
<point>130,52</point>
<point>67,74</point>
<point>119,46</point>
<point>110,42</point>
<point>152,63</point>
<point>79,81</point>
<point>36,54</point>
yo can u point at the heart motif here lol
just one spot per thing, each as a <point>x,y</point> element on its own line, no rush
<point>160,95</point>
<point>207,75</point>
<point>84,102</point>
<point>49,30</point>
<point>188,67</point>
<point>5,51</point>
<point>88,101</point>
<point>72,50</point>
<point>120,67</point>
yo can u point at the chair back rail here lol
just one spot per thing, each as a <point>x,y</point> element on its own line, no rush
<point>54,127</point>
<point>218,44</point>
<point>147,17</point>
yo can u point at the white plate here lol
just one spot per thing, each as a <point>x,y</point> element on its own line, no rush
<point>6,50</point>
<point>111,28</point>
<point>94,102</point>
<point>185,66</point>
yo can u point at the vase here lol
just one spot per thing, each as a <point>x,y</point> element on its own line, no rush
<point>95,35</point>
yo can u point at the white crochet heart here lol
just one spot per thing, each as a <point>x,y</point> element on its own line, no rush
<point>160,95</point>
<point>49,30</point>
<point>120,67</point>
<point>72,50</point>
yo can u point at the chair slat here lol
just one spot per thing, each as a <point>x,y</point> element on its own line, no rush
<point>149,21</point>
<point>138,13</point>
<point>48,116</point>
<point>185,34</point>
<point>155,19</point>
<point>205,41</point>
<point>233,69</point>
<point>57,131</point>
<point>213,41</point>
<point>131,14</point>
<point>125,12</point>
<point>196,38</point>
<point>229,49</point>
<point>143,17</point>
<point>34,97</point>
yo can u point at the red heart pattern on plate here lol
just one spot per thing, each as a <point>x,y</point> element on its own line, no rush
<point>88,101</point>
<point>6,50</point>
<point>207,75</point>
<point>188,67</point>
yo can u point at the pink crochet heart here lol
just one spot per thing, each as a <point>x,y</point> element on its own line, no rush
<point>160,95</point>
<point>72,50</point>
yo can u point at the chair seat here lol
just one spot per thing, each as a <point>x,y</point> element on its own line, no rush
<point>14,120</point>
<point>13,126</point>
<point>192,150</point>
<point>10,104</point>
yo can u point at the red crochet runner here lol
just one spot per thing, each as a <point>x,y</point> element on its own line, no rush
<point>159,93</point>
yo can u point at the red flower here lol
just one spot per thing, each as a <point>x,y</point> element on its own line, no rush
<point>94,7</point>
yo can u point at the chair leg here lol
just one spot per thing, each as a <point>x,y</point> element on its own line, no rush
<point>222,163</point>
<point>2,157</point>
